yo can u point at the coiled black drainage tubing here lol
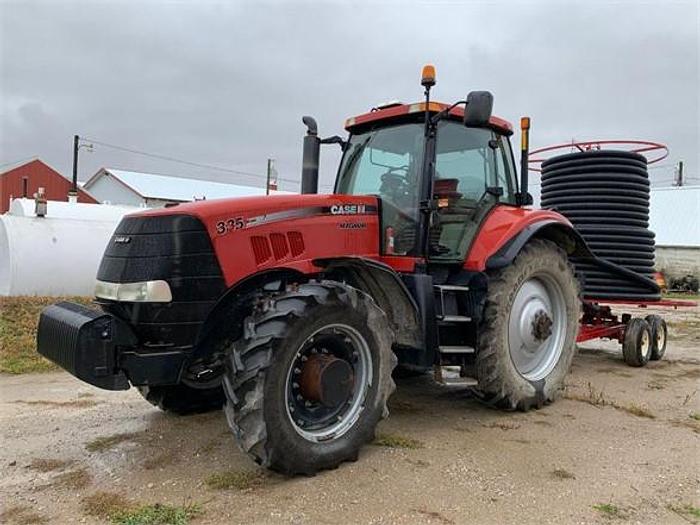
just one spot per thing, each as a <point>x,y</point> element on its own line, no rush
<point>605,195</point>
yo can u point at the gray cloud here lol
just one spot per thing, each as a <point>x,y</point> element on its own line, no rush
<point>227,83</point>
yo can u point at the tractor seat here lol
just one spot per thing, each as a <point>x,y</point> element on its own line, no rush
<point>446,189</point>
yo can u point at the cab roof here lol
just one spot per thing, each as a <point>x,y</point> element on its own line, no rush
<point>399,111</point>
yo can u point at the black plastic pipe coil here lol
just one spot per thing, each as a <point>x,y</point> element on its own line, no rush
<point>605,195</point>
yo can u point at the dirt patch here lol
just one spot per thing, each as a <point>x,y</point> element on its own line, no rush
<point>21,515</point>
<point>72,479</point>
<point>473,464</point>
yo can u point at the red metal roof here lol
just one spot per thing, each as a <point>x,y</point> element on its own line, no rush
<point>38,175</point>
<point>399,110</point>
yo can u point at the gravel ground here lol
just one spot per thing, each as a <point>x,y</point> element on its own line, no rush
<point>623,438</point>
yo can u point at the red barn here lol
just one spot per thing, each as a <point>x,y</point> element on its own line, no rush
<point>26,179</point>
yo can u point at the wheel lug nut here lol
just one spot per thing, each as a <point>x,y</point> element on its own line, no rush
<point>300,422</point>
<point>299,397</point>
<point>295,385</point>
<point>297,371</point>
<point>304,358</point>
<point>291,408</point>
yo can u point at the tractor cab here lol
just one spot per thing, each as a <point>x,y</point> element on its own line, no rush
<point>438,178</point>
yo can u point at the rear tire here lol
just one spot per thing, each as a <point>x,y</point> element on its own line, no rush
<point>273,422</point>
<point>659,336</point>
<point>522,363</point>
<point>182,399</point>
<point>637,345</point>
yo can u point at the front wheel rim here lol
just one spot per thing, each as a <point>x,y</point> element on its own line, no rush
<point>309,418</point>
<point>537,327</point>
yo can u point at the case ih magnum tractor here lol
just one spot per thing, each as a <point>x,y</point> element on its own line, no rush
<point>292,311</point>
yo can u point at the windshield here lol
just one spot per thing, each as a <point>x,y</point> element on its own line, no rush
<point>387,163</point>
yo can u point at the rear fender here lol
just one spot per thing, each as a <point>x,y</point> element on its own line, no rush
<point>562,234</point>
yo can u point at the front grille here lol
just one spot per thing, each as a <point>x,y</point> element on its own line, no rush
<point>173,248</point>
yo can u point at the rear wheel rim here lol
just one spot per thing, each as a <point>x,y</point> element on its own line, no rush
<point>537,327</point>
<point>660,337</point>
<point>645,343</point>
<point>309,418</point>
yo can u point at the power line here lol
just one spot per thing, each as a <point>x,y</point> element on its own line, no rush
<point>181,161</point>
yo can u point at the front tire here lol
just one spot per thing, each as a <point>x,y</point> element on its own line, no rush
<point>309,380</point>
<point>527,336</point>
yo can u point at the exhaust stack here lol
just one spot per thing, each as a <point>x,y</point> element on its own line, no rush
<point>310,158</point>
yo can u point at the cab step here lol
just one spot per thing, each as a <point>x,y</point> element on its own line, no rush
<point>450,349</point>
<point>450,376</point>
<point>454,319</point>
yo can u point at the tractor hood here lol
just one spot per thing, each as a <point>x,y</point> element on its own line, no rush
<point>222,216</point>
<point>254,234</point>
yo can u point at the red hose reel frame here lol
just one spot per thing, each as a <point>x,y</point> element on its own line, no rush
<point>653,151</point>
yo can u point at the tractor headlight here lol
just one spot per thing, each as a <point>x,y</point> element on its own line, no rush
<point>141,292</point>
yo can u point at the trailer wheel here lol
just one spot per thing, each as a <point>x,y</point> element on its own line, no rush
<point>527,336</point>
<point>659,334</point>
<point>637,344</point>
<point>309,380</point>
<point>182,399</point>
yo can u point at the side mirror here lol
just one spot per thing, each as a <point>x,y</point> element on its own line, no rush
<point>478,110</point>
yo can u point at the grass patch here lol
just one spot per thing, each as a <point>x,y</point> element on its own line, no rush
<point>597,398</point>
<point>73,479</point>
<point>636,410</point>
<point>18,321</point>
<point>503,425</point>
<point>609,510</point>
<point>695,416</point>
<point>122,511</point>
<point>561,473</point>
<point>397,441</point>
<point>690,510</point>
<point>48,464</point>
<point>680,295</point>
<point>106,504</point>
<point>157,515</point>
<point>77,403</point>
<point>102,443</point>
<point>233,479</point>
<point>161,460</point>
<point>692,424</point>
<point>21,515</point>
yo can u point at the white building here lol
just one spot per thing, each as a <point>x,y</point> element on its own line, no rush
<point>675,218</point>
<point>134,188</point>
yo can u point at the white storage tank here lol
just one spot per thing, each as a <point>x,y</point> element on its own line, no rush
<point>54,255</point>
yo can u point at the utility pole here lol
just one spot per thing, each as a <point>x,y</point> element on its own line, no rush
<point>73,193</point>
<point>679,174</point>
<point>271,176</point>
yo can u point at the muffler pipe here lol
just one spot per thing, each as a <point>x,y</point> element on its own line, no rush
<point>310,158</point>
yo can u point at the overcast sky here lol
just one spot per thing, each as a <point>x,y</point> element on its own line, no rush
<point>226,83</point>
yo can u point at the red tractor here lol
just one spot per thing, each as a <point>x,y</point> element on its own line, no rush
<point>292,311</point>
